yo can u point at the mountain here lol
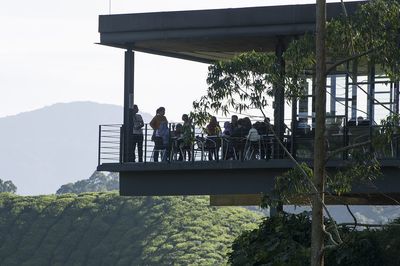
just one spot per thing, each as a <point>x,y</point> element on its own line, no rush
<point>46,148</point>
<point>106,229</point>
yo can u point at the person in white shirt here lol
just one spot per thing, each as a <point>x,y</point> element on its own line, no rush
<point>137,133</point>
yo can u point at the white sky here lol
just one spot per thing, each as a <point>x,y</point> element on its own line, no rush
<point>48,55</point>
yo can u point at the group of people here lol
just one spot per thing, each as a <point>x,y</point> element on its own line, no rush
<point>181,138</point>
<point>238,134</point>
<point>181,134</point>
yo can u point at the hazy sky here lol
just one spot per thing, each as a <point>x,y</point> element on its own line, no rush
<point>48,55</point>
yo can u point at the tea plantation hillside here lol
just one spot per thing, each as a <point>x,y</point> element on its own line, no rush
<point>106,229</point>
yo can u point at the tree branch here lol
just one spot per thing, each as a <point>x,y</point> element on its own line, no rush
<point>349,147</point>
<point>368,225</point>
<point>333,67</point>
<point>336,230</point>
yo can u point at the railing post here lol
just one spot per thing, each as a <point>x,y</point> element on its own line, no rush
<point>121,144</point>
<point>194,140</point>
<point>99,149</point>
<point>145,143</point>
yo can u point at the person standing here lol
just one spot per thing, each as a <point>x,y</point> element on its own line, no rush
<point>155,124</point>
<point>187,137</point>
<point>234,122</point>
<point>213,131</point>
<point>137,133</point>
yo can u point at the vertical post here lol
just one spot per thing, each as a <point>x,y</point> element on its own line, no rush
<point>192,146</point>
<point>121,143</point>
<point>128,104</point>
<point>346,113</point>
<point>145,143</point>
<point>99,151</point>
<point>293,127</point>
<point>396,110</point>
<point>354,89</point>
<point>396,97</point>
<point>317,234</point>
<point>371,102</point>
<point>333,95</point>
<point>279,94</point>
<point>313,88</point>
<point>274,211</point>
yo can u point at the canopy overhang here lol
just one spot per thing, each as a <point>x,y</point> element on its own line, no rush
<point>210,35</point>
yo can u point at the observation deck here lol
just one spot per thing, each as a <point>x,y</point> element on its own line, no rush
<point>211,35</point>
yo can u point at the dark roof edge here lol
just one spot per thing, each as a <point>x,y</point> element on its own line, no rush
<point>232,17</point>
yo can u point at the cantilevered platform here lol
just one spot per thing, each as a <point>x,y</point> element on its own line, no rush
<point>211,35</point>
<point>246,180</point>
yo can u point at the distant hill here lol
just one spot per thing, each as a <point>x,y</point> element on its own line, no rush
<point>46,148</point>
<point>105,229</point>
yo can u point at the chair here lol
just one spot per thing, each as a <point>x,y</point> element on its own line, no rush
<point>199,146</point>
<point>253,145</point>
<point>175,149</point>
<point>228,149</point>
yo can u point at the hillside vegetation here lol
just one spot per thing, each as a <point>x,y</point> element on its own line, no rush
<point>106,229</point>
<point>97,182</point>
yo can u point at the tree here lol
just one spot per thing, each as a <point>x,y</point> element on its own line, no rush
<point>285,240</point>
<point>245,82</point>
<point>7,186</point>
<point>317,236</point>
<point>97,182</point>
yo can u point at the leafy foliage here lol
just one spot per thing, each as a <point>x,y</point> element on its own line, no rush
<point>279,240</point>
<point>245,82</point>
<point>7,186</point>
<point>293,187</point>
<point>285,240</point>
<point>98,182</point>
<point>106,229</point>
<point>362,168</point>
<point>240,84</point>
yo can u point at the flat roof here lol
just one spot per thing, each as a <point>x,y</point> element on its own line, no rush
<point>210,35</point>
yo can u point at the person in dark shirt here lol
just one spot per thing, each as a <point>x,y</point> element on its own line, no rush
<point>238,137</point>
<point>234,122</point>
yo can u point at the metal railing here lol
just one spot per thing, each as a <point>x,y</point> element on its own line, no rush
<point>205,148</point>
<point>110,140</point>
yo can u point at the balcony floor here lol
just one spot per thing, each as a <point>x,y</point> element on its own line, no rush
<point>229,178</point>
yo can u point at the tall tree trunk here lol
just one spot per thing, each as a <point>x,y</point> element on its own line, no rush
<point>317,241</point>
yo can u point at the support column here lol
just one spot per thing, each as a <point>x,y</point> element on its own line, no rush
<point>371,93</point>
<point>354,89</point>
<point>127,150</point>
<point>371,102</point>
<point>279,99</point>
<point>294,126</point>
<point>396,97</point>
<point>333,95</point>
